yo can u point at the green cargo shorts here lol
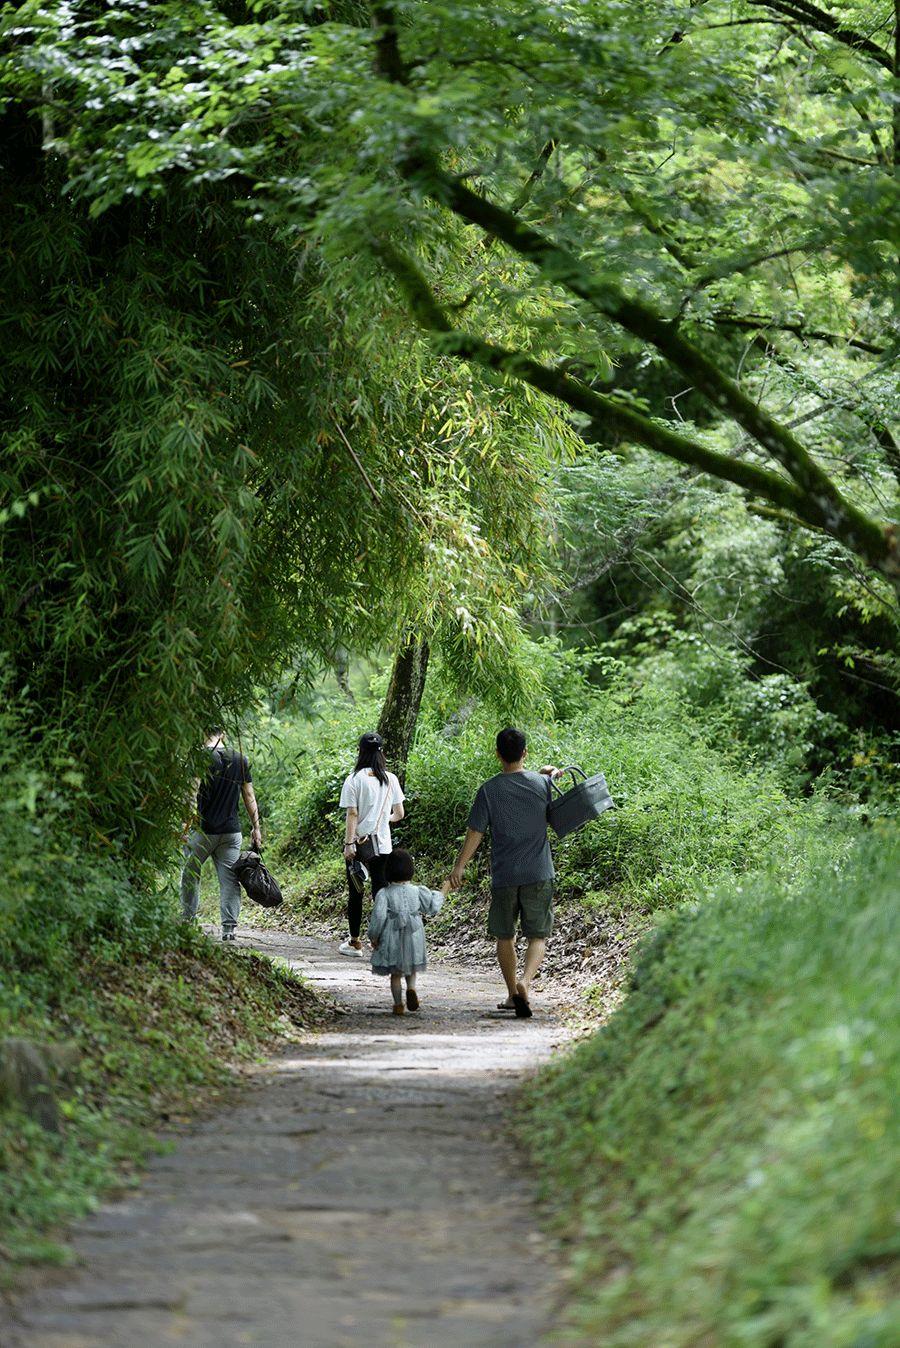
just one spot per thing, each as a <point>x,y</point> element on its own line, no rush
<point>532,905</point>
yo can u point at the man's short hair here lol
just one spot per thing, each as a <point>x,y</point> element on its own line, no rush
<point>398,866</point>
<point>511,744</point>
<point>215,730</point>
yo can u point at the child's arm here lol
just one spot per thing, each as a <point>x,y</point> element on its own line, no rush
<point>377,920</point>
<point>430,900</point>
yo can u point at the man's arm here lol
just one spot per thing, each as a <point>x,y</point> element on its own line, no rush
<point>253,810</point>
<point>470,846</point>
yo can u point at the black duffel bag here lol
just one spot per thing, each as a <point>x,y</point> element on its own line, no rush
<point>255,880</point>
<point>584,801</point>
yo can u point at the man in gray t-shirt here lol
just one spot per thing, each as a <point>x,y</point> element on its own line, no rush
<point>513,807</point>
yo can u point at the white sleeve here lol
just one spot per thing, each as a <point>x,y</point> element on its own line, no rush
<point>350,793</point>
<point>396,790</point>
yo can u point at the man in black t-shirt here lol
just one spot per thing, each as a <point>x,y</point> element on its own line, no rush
<point>218,830</point>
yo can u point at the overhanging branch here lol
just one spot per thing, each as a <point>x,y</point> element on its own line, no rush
<point>820,501</point>
<point>762,323</point>
<point>825,505</point>
<point>801,12</point>
<point>605,411</point>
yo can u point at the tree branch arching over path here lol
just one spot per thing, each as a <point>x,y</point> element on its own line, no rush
<point>821,502</point>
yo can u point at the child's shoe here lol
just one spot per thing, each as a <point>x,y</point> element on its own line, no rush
<point>412,1000</point>
<point>399,1009</point>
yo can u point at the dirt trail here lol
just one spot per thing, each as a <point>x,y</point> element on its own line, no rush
<point>363,1191</point>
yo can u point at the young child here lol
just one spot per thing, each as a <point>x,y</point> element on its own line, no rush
<point>396,929</point>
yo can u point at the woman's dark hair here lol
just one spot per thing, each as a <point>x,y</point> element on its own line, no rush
<point>511,744</point>
<point>398,866</point>
<point>371,755</point>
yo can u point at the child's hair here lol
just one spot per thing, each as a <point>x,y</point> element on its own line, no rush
<point>398,866</point>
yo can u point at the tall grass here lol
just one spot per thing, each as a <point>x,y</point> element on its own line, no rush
<point>724,1152</point>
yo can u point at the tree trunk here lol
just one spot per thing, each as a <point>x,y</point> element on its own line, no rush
<point>397,723</point>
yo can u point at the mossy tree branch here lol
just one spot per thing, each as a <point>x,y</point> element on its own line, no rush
<point>764,323</point>
<point>812,16</point>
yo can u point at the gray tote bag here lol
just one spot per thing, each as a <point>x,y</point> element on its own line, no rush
<point>584,801</point>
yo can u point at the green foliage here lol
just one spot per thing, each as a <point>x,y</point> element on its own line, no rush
<point>723,1152</point>
<point>223,445</point>
<point>708,164</point>
<point>206,472</point>
<point>764,635</point>
<point>59,896</point>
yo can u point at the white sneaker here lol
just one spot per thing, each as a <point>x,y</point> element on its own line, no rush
<point>347,948</point>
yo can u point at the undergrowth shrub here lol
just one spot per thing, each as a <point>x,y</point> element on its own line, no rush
<point>686,811</point>
<point>723,1152</point>
<point>58,894</point>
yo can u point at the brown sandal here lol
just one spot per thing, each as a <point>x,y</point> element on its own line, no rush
<point>399,1009</point>
<point>520,1003</point>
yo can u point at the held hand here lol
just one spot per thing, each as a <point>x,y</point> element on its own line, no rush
<point>456,877</point>
<point>374,945</point>
<point>550,771</point>
<point>256,840</point>
<point>446,886</point>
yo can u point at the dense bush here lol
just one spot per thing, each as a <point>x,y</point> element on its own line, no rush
<point>59,895</point>
<point>762,634</point>
<point>724,1150</point>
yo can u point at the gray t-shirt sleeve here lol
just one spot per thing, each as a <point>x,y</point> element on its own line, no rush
<point>479,816</point>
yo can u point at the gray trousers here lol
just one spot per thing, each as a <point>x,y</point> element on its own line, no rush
<point>224,849</point>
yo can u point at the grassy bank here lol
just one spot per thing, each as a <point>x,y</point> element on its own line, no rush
<point>151,1015</point>
<point>157,1032</point>
<point>722,1154</point>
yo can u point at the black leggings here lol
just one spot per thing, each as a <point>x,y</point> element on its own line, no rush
<point>375,867</point>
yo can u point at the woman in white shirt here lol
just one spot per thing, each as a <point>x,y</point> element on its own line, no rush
<point>373,800</point>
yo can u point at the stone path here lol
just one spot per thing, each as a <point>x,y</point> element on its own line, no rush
<point>362,1191</point>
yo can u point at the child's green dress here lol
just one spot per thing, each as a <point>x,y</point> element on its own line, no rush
<point>396,924</point>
